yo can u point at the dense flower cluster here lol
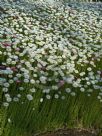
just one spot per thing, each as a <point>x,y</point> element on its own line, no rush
<point>55,51</point>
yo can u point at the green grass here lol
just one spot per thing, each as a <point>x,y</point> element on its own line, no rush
<point>79,111</point>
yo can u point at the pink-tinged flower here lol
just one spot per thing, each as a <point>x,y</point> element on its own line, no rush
<point>14,69</point>
<point>18,81</point>
<point>2,67</point>
<point>14,36</point>
<point>7,44</point>
<point>17,49</point>
<point>61,83</point>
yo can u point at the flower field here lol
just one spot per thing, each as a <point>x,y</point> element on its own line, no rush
<point>50,67</point>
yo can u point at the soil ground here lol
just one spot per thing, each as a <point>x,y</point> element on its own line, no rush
<point>71,132</point>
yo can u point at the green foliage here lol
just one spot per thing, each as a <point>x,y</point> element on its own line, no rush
<point>79,111</point>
